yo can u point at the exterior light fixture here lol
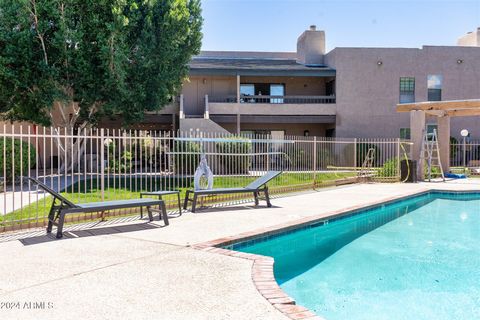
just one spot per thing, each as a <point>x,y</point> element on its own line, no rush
<point>464,134</point>
<point>306,133</point>
<point>379,62</point>
<point>459,61</point>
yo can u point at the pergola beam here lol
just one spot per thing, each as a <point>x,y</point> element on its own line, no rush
<point>452,105</point>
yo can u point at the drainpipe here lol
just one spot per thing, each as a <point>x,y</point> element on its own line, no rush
<point>206,115</point>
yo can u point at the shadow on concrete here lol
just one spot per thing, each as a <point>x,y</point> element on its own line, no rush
<point>89,233</point>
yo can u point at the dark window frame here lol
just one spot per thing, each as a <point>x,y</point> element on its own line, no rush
<point>407,89</point>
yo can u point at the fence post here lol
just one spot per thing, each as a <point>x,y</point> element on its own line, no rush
<point>102,164</point>
<point>314,161</point>
<point>355,153</point>
<point>398,159</point>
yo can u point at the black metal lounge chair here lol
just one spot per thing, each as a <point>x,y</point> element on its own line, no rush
<point>257,186</point>
<point>59,210</point>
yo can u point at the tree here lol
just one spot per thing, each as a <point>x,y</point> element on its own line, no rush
<point>66,63</point>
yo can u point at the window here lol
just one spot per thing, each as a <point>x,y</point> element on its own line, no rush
<point>277,90</point>
<point>434,87</point>
<point>247,89</point>
<point>405,133</point>
<point>407,89</point>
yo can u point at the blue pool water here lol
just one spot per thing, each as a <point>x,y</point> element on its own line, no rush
<point>414,259</point>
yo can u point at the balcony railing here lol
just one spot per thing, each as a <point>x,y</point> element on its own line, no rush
<point>275,99</point>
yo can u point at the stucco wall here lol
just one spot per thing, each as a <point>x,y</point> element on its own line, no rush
<point>290,128</point>
<point>367,93</point>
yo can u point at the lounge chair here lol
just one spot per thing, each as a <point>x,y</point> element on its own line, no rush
<point>65,206</point>
<point>257,186</point>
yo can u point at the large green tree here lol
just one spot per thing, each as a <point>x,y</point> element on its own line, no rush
<point>66,63</point>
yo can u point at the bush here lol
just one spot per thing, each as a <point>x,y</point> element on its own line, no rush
<point>231,159</point>
<point>186,156</point>
<point>8,145</point>
<point>117,164</point>
<point>389,168</point>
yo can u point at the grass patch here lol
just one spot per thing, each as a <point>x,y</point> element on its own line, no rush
<point>130,188</point>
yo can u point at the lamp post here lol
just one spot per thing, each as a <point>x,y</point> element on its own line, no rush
<point>464,134</point>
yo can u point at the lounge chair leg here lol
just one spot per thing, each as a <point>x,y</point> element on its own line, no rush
<point>163,215</point>
<point>51,217</point>
<point>185,203</point>
<point>61,220</point>
<point>267,197</point>
<point>179,204</point>
<point>150,215</point>
<point>255,195</point>
<point>194,203</point>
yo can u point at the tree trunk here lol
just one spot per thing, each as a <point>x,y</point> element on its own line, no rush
<point>70,140</point>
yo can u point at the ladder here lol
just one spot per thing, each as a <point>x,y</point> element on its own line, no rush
<point>366,172</point>
<point>430,154</point>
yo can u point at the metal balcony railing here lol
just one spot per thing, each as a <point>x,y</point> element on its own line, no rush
<point>275,99</point>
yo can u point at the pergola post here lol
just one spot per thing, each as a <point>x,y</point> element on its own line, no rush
<point>417,126</point>
<point>444,141</point>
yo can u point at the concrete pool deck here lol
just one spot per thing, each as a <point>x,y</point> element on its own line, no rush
<point>144,271</point>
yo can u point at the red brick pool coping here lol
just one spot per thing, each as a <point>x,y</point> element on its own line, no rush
<point>262,269</point>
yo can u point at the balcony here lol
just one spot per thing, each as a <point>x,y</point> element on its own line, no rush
<point>272,105</point>
<point>275,99</point>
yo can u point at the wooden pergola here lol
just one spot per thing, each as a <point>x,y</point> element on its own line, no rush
<point>443,110</point>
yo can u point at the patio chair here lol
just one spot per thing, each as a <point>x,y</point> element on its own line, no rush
<point>257,186</point>
<point>62,206</point>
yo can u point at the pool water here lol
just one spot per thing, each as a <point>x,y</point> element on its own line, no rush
<point>414,259</point>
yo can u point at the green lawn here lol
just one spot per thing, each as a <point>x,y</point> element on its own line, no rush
<point>121,188</point>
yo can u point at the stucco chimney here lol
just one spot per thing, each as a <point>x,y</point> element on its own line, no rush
<point>311,46</point>
<point>471,39</point>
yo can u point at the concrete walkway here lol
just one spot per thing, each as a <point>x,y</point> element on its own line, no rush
<point>144,271</point>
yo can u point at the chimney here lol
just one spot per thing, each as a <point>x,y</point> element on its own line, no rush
<point>471,39</point>
<point>311,46</point>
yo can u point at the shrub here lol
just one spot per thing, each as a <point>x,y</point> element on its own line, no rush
<point>389,168</point>
<point>16,146</point>
<point>231,154</point>
<point>118,164</point>
<point>186,156</point>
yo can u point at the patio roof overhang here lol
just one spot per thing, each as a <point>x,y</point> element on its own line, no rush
<point>204,66</point>
<point>268,73</point>
<point>452,108</point>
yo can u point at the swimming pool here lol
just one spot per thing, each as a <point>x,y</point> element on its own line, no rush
<point>417,258</point>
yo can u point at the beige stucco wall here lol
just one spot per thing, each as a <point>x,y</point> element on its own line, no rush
<point>296,129</point>
<point>196,87</point>
<point>273,108</point>
<point>367,93</point>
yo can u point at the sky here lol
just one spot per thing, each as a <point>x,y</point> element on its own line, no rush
<point>274,25</point>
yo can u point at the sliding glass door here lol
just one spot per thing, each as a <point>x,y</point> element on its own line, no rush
<point>277,90</point>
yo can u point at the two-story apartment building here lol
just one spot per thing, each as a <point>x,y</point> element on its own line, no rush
<point>347,92</point>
